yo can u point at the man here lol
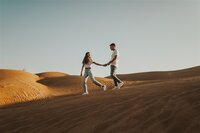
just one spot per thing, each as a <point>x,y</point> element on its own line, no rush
<point>113,67</point>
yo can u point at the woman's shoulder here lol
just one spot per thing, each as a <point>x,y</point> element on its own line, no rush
<point>91,60</point>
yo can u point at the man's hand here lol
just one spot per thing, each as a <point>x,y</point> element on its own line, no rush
<point>105,65</point>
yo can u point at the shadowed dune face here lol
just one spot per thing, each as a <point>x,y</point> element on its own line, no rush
<point>67,85</point>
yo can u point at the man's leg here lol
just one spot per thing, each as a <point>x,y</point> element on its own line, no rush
<point>113,75</point>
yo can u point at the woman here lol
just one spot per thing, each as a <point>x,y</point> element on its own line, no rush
<point>87,62</point>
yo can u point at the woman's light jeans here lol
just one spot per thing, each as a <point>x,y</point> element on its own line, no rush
<point>88,73</point>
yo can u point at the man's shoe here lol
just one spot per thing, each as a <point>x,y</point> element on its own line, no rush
<point>85,93</point>
<point>114,88</point>
<point>120,85</point>
<point>104,88</point>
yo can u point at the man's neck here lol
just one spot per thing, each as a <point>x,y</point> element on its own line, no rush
<point>114,49</point>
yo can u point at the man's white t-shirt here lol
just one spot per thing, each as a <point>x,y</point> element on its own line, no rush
<point>115,52</point>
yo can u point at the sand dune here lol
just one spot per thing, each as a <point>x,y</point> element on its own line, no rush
<point>162,106</point>
<point>18,86</point>
<point>160,75</point>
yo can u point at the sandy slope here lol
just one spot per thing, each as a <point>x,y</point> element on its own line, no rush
<point>162,106</point>
<point>166,107</point>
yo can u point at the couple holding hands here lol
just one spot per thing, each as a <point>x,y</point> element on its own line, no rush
<point>87,62</point>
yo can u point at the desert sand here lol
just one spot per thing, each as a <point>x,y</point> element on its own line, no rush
<point>152,102</point>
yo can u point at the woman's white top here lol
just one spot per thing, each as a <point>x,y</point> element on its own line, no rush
<point>88,65</point>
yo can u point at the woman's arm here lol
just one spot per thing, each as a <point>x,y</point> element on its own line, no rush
<point>97,64</point>
<point>82,70</point>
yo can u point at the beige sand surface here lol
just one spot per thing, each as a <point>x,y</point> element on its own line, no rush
<point>159,105</point>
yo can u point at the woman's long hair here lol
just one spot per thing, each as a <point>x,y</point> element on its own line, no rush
<point>86,59</point>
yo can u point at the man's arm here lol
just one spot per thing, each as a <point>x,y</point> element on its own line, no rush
<point>111,61</point>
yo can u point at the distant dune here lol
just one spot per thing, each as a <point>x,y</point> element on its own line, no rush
<point>153,102</point>
<point>51,74</point>
<point>161,75</point>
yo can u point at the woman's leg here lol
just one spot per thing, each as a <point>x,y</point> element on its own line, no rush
<point>113,75</point>
<point>84,82</point>
<point>93,79</point>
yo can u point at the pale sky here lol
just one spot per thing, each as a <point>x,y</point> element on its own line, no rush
<point>53,35</point>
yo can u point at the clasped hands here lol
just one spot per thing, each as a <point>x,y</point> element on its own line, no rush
<point>105,64</point>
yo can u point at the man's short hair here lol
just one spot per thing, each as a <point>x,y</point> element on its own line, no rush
<point>112,44</point>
